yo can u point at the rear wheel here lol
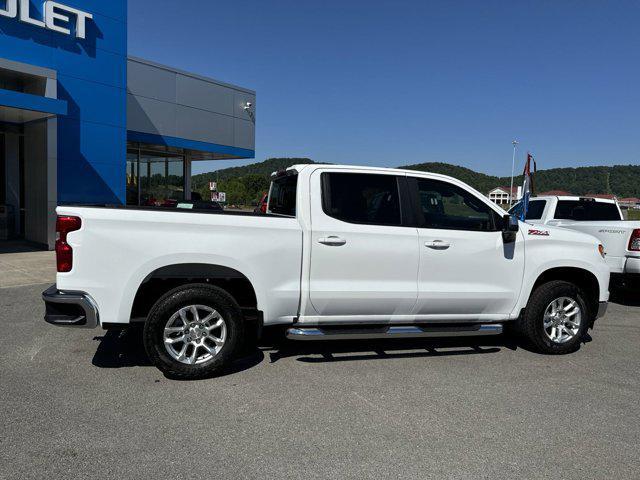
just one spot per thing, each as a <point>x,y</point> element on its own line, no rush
<point>556,318</point>
<point>193,331</point>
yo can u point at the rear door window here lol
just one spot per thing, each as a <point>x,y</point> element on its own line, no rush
<point>362,198</point>
<point>586,211</point>
<point>535,211</point>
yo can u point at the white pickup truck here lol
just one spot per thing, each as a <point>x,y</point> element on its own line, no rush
<point>343,253</point>
<point>601,218</point>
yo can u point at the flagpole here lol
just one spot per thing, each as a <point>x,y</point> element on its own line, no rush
<point>513,168</point>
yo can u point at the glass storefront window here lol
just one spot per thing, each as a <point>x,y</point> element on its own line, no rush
<point>175,180</point>
<point>159,179</point>
<point>132,179</point>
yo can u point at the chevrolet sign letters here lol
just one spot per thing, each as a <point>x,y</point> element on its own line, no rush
<point>57,17</point>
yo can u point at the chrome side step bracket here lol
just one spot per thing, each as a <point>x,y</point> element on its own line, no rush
<point>409,331</point>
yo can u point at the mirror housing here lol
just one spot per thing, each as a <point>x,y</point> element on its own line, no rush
<point>511,226</point>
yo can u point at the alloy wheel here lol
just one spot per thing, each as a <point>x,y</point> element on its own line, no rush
<point>562,319</point>
<point>195,334</point>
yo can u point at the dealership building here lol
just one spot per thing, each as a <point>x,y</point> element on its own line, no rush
<point>83,122</point>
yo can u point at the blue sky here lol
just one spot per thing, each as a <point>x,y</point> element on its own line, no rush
<point>397,82</point>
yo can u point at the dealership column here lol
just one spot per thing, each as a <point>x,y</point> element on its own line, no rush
<point>11,179</point>
<point>40,181</point>
<point>28,123</point>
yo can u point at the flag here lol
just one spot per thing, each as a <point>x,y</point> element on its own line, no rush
<point>528,187</point>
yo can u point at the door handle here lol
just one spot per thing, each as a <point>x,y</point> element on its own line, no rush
<point>332,241</point>
<point>437,245</point>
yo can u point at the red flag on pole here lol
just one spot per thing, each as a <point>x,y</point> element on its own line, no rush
<point>527,187</point>
<point>528,174</point>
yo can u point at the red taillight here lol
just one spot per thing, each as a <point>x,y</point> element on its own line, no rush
<point>634,242</point>
<point>64,252</point>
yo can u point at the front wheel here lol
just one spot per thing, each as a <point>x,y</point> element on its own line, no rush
<point>193,332</point>
<point>556,318</point>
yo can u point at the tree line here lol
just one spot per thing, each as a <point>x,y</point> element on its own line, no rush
<point>619,180</point>
<point>245,185</point>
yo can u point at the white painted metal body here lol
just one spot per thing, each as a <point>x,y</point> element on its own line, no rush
<point>378,275</point>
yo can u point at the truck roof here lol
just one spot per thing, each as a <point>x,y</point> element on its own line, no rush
<point>314,166</point>
<point>568,197</point>
<point>301,167</point>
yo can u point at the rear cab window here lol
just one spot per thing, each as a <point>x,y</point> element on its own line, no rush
<point>282,195</point>
<point>586,211</point>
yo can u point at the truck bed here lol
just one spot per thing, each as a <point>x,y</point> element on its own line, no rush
<point>168,209</point>
<point>118,247</point>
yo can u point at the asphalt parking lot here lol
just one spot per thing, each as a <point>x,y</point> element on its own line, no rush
<point>82,404</point>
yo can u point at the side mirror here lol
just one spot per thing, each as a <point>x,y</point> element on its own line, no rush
<point>511,226</point>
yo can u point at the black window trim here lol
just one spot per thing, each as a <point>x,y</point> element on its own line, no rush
<point>414,194</point>
<point>407,213</point>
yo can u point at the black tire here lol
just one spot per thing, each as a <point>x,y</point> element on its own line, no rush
<point>172,302</point>
<point>531,325</point>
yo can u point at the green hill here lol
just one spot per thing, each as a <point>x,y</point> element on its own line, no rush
<point>620,180</point>
<point>263,168</point>
<point>480,181</point>
<point>245,185</point>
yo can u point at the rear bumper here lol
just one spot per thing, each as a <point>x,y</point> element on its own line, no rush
<point>70,309</point>
<point>632,266</point>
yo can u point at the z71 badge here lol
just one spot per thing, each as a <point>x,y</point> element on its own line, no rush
<point>540,233</point>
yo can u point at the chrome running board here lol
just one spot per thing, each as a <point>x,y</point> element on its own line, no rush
<point>409,331</point>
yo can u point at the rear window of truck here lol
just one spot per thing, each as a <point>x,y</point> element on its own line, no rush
<point>282,197</point>
<point>586,211</point>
